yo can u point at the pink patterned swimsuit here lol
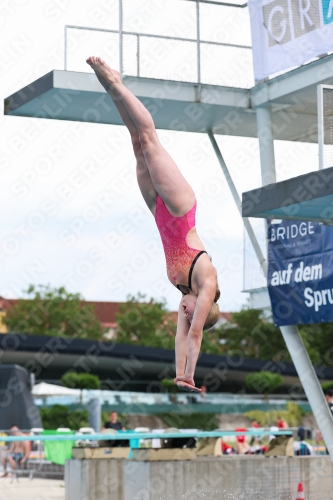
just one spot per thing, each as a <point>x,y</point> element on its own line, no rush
<point>180,258</point>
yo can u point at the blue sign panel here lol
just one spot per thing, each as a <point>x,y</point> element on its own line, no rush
<point>300,272</point>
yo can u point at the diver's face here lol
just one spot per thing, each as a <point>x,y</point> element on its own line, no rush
<point>188,305</point>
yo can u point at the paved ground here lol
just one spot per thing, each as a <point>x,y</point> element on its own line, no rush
<point>37,489</point>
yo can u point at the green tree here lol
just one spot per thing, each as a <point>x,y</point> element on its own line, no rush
<point>292,415</point>
<point>190,420</point>
<point>318,339</point>
<point>54,312</point>
<point>169,385</point>
<point>251,333</point>
<point>145,323</point>
<point>61,416</point>
<point>80,380</point>
<point>263,382</point>
<point>327,385</point>
<point>211,342</point>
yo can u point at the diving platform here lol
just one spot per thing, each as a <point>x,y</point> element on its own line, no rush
<point>308,197</point>
<point>183,106</point>
<point>68,95</point>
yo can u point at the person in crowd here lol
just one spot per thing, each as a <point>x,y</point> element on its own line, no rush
<point>17,453</point>
<point>301,447</point>
<point>202,395</point>
<point>281,424</point>
<point>255,439</point>
<point>114,423</point>
<point>242,446</point>
<point>329,399</point>
<point>227,449</point>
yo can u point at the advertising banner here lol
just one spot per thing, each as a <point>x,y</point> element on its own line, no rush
<point>289,33</point>
<point>300,272</point>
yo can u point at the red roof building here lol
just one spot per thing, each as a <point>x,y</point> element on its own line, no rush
<point>105,312</point>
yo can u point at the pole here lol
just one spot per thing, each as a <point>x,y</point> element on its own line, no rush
<point>310,382</point>
<point>138,55</point>
<point>291,335</point>
<point>266,145</point>
<point>65,49</point>
<point>320,112</point>
<point>237,200</point>
<point>198,42</point>
<point>94,411</point>
<point>121,38</point>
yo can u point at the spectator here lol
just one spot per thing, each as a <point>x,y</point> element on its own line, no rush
<point>281,424</point>
<point>301,447</point>
<point>329,399</point>
<point>227,449</point>
<point>242,446</point>
<point>17,453</point>
<point>318,437</point>
<point>114,423</point>
<point>255,439</point>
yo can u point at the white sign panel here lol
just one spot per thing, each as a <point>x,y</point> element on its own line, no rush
<point>289,33</point>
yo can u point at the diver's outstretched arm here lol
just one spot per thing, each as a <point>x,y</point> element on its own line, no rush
<point>183,327</point>
<point>187,347</point>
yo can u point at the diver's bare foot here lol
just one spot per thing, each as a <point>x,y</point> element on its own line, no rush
<point>5,474</point>
<point>107,76</point>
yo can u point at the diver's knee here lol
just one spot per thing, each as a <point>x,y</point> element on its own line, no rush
<point>147,138</point>
<point>136,144</point>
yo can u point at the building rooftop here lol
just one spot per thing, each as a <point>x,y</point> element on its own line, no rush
<point>106,311</point>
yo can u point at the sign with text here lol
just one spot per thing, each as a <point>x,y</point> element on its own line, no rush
<point>300,272</point>
<point>289,33</point>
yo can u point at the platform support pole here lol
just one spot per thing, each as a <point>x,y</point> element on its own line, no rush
<point>291,335</point>
<point>237,200</point>
<point>266,145</point>
<point>320,113</point>
<point>95,412</point>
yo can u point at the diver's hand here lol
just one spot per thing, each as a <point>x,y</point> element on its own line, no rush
<point>183,381</point>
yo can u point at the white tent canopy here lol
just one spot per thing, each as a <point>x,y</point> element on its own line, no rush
<point>43,389</point>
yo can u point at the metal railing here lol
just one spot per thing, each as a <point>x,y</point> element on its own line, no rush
<point>149,435</point>
<point>140,36</point>
<point>147,35</point>
<point>138,398</point>
<point>217,2</point>
<point>135,435</point>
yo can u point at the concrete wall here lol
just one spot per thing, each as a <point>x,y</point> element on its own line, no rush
<point>236,478</point>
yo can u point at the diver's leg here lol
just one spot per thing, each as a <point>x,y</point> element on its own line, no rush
<point>143,176</point>
<point>144,179</point>
<point>167,179</point>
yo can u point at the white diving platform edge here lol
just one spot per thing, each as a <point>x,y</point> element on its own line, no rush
<point>184,106</point>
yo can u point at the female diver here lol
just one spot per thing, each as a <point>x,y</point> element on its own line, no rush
<point>172,202</point>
